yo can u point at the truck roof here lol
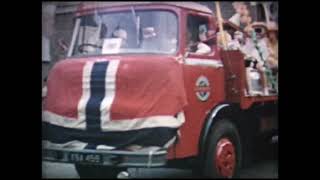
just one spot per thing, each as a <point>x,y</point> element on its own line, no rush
<point>187,5</point>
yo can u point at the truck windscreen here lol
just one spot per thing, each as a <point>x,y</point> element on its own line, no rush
<point>138,31</point>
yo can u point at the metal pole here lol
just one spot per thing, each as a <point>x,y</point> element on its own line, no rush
<point>74,36</point>
<point>266,12</point>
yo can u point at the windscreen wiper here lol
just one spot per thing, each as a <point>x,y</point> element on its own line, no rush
<point>136,20</point>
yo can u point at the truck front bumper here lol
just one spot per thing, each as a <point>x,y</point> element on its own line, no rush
<point>119,158</point>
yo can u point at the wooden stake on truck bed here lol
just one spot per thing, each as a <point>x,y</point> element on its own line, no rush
<point>220,23</point>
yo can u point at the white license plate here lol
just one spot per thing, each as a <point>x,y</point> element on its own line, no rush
<point>85,158</point>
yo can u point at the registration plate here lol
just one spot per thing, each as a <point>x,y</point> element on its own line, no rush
<point>85,158</point>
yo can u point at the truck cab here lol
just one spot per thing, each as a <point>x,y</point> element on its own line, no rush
<point>141,87</point>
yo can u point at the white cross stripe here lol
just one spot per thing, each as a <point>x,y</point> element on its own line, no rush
<point>110,88</point>
<point>86,78</point>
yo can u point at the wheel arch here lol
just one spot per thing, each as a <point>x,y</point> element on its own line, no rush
<point>245,121</point>
<point>223,110</point>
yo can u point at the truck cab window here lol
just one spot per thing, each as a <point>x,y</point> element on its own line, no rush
<point>198,34</point>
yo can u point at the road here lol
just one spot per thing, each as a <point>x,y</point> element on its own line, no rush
<point>263,169</point>
<point>265,166</point>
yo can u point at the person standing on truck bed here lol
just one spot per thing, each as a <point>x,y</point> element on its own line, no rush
<point>272,43</point>
<point>254,48</point>
<point>272,61</point>
<point>239,43</point>
<point>240,9</point>
<point>259,51</point>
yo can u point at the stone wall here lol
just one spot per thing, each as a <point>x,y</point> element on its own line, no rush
<point>61,27</point>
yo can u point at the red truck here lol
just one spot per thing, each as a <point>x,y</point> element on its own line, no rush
<point>132,93</point>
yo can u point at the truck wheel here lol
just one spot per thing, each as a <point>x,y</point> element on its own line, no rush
<point>92,171</point>
<point>223,156</point>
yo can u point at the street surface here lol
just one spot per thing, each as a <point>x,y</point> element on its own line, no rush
<point>265,168</point>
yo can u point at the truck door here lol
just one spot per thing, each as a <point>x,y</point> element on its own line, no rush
<point>203,78</point>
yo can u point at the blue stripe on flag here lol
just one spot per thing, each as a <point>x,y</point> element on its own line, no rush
<point>97,93</point>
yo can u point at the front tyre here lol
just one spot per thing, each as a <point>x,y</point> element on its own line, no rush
<point>224,155</point>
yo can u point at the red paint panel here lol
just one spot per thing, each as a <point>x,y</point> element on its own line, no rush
<point>148,88</point>
<point>196,110</point>
<point>65,88</point>
<point>247,102</point>
<point>144,87</point>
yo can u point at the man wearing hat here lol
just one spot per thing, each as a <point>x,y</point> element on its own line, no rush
<point>122,34</point>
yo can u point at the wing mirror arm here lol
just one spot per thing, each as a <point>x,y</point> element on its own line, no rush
<point>185,56</point>
<point>182,58</point>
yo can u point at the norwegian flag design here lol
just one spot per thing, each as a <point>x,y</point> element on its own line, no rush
<point>114,99</point>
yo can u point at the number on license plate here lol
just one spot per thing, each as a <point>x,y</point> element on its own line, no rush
<point>88,158</point>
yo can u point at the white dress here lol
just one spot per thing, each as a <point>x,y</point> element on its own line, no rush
<point>251,51</point>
